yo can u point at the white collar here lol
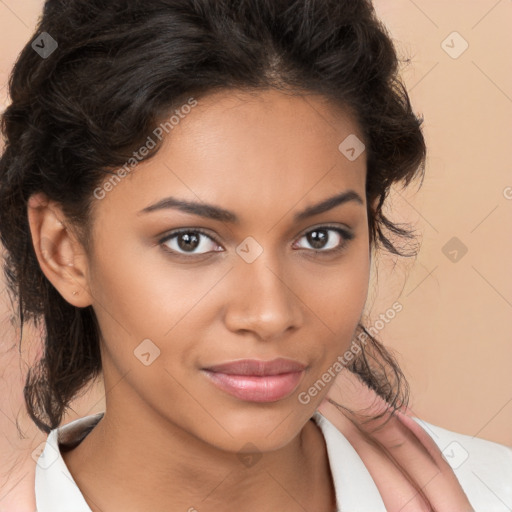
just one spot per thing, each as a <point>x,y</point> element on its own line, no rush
<point>353,484</point>
<point>56,490</point>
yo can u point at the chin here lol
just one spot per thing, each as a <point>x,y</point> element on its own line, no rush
<point>268,429</point>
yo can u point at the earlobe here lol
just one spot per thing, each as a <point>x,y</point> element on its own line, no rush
<point>61,256</point>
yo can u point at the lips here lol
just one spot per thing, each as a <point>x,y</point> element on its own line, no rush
<point>257,367</point>
<point>255,380</point>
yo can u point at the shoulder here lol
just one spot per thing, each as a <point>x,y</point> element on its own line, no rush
<point>483,468</point>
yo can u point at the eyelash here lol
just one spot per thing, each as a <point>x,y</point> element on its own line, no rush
<point>346,235</point>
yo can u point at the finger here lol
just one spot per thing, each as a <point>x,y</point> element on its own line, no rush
<point>404,441</point>
<point>443,490</point>
<point>415,451</point>
<point>397,492</point>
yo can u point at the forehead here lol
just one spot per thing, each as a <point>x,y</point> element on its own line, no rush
<point>265,151</point>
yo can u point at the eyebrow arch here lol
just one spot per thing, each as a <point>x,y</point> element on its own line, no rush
<point>217,213</point>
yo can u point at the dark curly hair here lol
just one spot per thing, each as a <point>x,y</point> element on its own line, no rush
<point>120,67</point>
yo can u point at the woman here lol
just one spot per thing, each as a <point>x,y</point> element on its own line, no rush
<point>191,197</point>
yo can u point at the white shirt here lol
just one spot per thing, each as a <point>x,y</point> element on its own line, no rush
<point>483,468</point>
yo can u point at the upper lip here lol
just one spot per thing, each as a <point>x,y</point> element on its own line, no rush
<point>258,367</point>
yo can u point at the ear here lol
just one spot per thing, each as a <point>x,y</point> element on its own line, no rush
<point>61,257</point>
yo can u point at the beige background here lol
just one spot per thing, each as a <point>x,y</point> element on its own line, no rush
<point>453,334</point>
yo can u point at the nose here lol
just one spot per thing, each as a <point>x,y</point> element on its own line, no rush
<point>263,300</point>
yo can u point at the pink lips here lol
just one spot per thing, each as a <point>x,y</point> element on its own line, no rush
<point>256,380</point>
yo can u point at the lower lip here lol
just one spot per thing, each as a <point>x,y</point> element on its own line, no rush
<point>269,388</point>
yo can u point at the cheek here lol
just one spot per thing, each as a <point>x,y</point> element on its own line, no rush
<point>338,302</point>
<point>338,294</point>
<point>139,294</point>
<point>132,285</point>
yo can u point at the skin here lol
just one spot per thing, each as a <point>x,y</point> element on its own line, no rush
<point>405,463</point>
<point>169,436</point>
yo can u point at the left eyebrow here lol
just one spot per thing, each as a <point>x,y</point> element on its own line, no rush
<point>211,211</point>
<point>329,204</point>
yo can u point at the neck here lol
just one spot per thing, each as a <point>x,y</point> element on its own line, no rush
<point>134,459</point>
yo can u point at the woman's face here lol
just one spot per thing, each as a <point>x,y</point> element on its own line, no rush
<point>263,279</point>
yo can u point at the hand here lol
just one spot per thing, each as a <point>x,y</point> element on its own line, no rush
<point>403,460</point>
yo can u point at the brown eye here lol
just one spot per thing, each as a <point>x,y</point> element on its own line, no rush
<point>318,238</point>
<point>189,241</point>
<point>327,239</point>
